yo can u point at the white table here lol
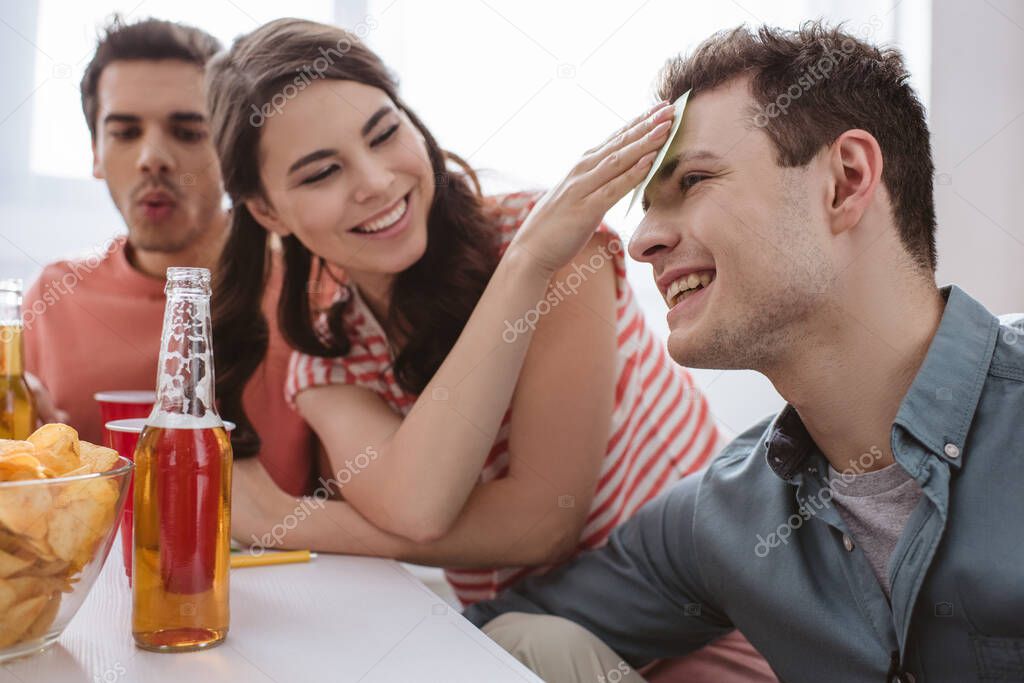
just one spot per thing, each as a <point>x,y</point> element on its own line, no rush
<point>333,619</point>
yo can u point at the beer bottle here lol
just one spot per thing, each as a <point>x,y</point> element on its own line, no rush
<point>17,411</point>
<point>183,485</point>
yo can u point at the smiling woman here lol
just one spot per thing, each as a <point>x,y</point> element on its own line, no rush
<point>298,194</point>
<point>491,455</point>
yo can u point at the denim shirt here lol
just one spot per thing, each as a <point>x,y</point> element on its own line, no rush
<point>754,543</point>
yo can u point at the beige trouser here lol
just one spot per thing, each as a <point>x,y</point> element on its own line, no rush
<point>559,650</point>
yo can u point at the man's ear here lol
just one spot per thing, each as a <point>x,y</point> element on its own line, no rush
<point>266,216</point>
<point>97,168</point>
<point>855,162</point>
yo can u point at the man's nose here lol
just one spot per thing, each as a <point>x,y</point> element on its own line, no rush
<point>154,156</point>
<point>654,237</point>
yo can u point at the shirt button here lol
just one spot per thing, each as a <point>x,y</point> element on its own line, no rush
<point>847,543</point>
<point>951,450</point>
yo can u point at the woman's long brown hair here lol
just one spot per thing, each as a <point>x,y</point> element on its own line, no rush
<point>430,301</point>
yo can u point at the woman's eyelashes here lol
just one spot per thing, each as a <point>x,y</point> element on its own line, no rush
<point>317,177</point>
<point>384,136</point>
<point>330,170</point>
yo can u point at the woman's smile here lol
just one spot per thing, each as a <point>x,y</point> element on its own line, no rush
<point>388,223</point>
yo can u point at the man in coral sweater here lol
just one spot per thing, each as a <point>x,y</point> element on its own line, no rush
<point>94,324</point>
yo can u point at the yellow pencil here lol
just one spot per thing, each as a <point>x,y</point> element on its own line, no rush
<point>284,557</point>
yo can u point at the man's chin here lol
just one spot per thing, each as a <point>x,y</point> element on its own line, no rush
<point>693,348</point>
<point>161,238</point>
<point>685,348</point>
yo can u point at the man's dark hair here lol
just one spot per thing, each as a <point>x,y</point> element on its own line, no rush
<point>147,39</point>
<point>811,85</point>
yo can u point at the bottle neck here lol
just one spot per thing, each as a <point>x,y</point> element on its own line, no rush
<point>185,377</point>
<point>11,345</point>
<point>11,349</point>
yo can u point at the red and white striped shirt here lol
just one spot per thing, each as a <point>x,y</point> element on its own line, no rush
<point>661,428</point>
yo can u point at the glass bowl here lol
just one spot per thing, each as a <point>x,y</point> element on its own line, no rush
<point>54,537</point>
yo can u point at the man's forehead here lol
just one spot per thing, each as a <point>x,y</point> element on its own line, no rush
<point>151,87</point>
<point>715,124</point>
<point>714,116</point>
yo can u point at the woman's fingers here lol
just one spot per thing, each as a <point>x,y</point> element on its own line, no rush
<point>624,158</point>
<point>609,193</point>
<point>623,136</point>
<point>559,225</point>
<point>650,111</point>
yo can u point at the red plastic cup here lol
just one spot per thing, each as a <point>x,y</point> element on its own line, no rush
<point>123,437</point>
<point>123,405</point>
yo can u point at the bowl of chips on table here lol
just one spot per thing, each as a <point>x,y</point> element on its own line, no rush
<point>60,499</point>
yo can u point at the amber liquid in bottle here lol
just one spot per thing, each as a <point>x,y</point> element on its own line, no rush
<point>183,487</point>
<point>17,410</point>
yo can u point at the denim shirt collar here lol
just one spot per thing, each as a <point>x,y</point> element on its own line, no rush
<point>938,408</point>
<point>788,443</point>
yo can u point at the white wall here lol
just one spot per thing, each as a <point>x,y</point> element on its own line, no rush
<point>977,118</point>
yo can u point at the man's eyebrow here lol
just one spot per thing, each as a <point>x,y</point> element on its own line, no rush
<point>176,116</point>
<point>187,117</point>
<point>668,168</point>
<point>121,118</point>
<point>673,161</point>
<point>377,116</point>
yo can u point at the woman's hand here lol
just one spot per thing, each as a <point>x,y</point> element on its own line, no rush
<point>256,502</point>
<point>562,222</point>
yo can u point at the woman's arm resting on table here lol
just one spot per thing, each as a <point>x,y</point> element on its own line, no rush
<point>561,414</point>
<point>266,517</point>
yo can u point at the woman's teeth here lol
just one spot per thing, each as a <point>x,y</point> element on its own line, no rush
<point>385,221</point>
<point>687,285</point>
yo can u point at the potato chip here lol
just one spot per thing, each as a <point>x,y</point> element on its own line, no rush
<point>16,620</point>
<point>102,490</point>
<point>98,458</point>
<point>8,595</point>
<point>19,466</point>
<point>25,587</point>
<point>41,625</point>
<point>14,447</point>
<point>20,475</point>
<point>8,541</point>
<point>23,509</point>
<point>57,447</point>
<point>43,567</point>
<point>12,564</point>
<point>75,528</point>
<point>37,547</point>
<point>18,461</point>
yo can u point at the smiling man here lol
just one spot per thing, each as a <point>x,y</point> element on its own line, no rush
<point>94,324</point>
<point>870,531</point>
